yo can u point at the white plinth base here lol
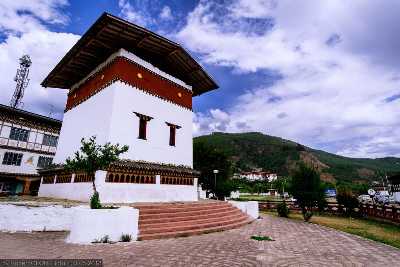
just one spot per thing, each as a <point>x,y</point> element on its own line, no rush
<point>85,224</point>
<point>121,192</point>
<point>248,207</point>
<point>16,218</point>
<point>89,225</point>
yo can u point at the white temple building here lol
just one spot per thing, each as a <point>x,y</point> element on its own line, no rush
<point>130,86</point>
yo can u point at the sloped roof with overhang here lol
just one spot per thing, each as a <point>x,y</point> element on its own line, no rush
<point>107,35</point>
<point>8,113</point>
<point>126,164</point>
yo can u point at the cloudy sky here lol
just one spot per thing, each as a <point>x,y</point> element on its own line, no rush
<point>322,73</point>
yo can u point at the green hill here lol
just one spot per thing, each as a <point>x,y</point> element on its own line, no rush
<point>256,150</point>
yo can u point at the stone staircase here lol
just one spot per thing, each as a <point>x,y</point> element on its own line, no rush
<point>168,220</point>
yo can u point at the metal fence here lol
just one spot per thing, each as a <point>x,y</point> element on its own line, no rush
<point>382,212</point>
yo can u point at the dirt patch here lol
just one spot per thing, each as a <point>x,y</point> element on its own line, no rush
<point>33,201</point>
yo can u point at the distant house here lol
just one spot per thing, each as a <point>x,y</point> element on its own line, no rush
<point>395,182</point>
<point>395,186</point>
<point>28,142</point>
<point>258,176</point>
<point>380,187</point>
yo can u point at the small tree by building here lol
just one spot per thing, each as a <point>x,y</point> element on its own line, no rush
<point>307,189</point>
<point>93,157</point>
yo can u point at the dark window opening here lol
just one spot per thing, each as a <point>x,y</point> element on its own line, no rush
<point>19,134</point>
<point>172,133</point>
<point>142,129</point>
<point>12,158</point>
<point>49,140</point>
<point>143,119</point>
<point>44,162</point>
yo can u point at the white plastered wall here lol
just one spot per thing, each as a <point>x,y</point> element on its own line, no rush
<point>125,127</point>
<point>90,118</point>
<point>110,116</point>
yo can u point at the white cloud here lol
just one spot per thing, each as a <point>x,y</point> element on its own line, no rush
<point>333,84</point>
<point>166,13</point>
<point>25,15</point>
<point>27,34</point>
<point>132,13</point>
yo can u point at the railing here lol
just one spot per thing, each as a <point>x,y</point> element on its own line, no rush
<point>386,212</point>
<point>122,177</point>
<point>64,178</point>
<point>48,179</point>
<point>272,204</point>
<point>119,177</point>
<point>83,178</point>
<point>390,213</point>
<point>177,180</point>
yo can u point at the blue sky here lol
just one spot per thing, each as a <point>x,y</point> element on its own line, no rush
<point>325,74</point>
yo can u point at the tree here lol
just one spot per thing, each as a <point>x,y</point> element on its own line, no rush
<point>260,186</point>
<point>93,157</point>
<point>281,184</point>
<point>346,198</point>
<point>307,189</point>
<point>206,159</point>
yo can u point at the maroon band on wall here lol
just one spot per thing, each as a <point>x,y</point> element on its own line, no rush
<point>131,73</point>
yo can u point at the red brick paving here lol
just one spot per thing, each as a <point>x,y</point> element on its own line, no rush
<point>297,244</point>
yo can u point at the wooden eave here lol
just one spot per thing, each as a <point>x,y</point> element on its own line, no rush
<point>24,117</point>
<point>107,35</point>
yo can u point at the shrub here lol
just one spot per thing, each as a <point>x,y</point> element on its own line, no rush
<point>104,239</point>
<point>126,238</point>
<point>307,215</point>
<point>95,201</point>
<point>282,209</point>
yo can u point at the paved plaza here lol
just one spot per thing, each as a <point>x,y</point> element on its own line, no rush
<point>296,244</point>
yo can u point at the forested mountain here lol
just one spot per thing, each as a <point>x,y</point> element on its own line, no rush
<point>256,150</point>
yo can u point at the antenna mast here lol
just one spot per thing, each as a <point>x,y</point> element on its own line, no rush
<point>22,81</point>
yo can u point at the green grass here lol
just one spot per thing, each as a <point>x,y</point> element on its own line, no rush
<point>256,197</point>
<point>261,238</point>
<point>378,231</point>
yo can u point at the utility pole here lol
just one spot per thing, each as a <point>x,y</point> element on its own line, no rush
<point>22,81</point>
<point>215,182</point>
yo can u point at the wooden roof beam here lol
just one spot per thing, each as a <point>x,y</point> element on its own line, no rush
<point>139,44</point>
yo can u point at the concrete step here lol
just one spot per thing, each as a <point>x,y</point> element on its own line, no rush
<point>193,232</point>
<point>179,204</point>
<point>209,222</point>
<point>147,220</point>
<point>182,213</point>
<point>174,209</point>
<point>165,220</point>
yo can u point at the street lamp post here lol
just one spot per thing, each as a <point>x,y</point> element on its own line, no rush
<point>215,182</point>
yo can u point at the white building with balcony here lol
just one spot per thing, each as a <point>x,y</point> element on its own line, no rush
<point>258,176</point>
<point>28,142</point>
